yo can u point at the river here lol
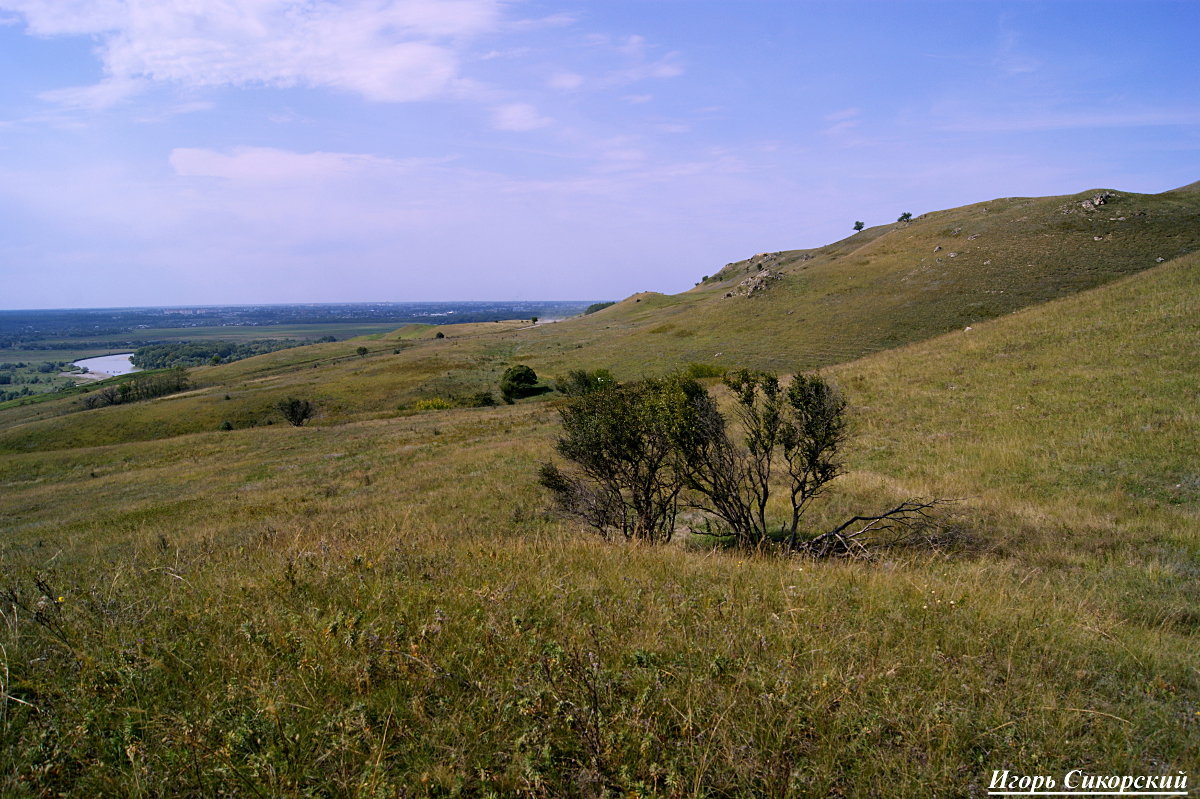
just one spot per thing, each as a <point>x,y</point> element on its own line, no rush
<point>111,365</point>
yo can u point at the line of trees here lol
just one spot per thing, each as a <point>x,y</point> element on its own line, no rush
<point>642,452</point>
<point>139,387</point>
<point>197,353</point>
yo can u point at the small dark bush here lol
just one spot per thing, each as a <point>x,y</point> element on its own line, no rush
<point>702,370</point>
<point>296,411</point>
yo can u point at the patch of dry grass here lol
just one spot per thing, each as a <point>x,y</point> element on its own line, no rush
<point>379,605</point>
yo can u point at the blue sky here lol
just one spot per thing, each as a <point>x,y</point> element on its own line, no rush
<point>158,152</point>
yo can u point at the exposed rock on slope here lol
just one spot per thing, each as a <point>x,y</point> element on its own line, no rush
<point>759,281</point>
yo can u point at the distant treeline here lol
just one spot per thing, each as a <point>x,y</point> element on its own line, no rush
<point>20,329</point>
<point>138,387</point>
<point>106,340</point>
<point>165,356</point>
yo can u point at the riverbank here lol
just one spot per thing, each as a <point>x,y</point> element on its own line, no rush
<point>105,366</point>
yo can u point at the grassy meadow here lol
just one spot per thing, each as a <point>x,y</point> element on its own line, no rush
<point>379,603</point>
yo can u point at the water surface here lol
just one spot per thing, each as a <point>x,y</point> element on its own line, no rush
<point>110,364</point>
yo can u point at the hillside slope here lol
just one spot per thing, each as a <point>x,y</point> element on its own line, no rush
<point>382,607</point>
<point>886,286</point>
<point>1081,414</point>
<point>881,288</point>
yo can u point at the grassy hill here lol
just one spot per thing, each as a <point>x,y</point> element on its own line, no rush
<point>378,605</point>
<point>885,286</point>
<point>880,288</point>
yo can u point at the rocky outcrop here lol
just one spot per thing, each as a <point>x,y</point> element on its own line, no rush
<point>1096,201</point>
<point>755,283</point>
<point>1091,203</point>
<point>755,263</point>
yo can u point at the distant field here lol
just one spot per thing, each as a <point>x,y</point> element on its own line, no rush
<point>230,333</point>
<point>92,348</point>
<point>38,356</point>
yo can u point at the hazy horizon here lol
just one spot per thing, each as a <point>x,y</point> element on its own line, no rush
<point>300,303</point>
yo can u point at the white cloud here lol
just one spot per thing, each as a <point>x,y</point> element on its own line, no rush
<point>512,52</point>
<point>1036,121</point>
<point>193,107</point>
<point>551,21</point>
<point>262,224</point>
<point>1011,60</point>
<point>843,114</point>
<point>640,63</point>
<point>259,164</point>
<point>643,67</point>
<point>102,95</point>
<point>518,117</point>
<point>842,123</point>
<point>565,81</point>
<point>383,50</point>
<point>272,165</point>
<point>621,152</point>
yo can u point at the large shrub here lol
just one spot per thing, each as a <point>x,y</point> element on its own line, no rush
<point>640,452</point>
<point>518,381</point>
<point>623,441</point>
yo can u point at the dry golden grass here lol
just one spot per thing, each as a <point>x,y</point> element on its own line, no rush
<point>379,605</point>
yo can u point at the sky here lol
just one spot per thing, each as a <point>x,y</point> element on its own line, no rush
<point>180,152</point>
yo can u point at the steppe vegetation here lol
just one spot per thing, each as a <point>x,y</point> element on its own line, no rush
<point>38,344</point>
<point>381,602</point>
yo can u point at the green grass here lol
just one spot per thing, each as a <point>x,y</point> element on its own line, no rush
<point>68,355</point>
<point>881,288</point>
<point>232,333</point>
<point>79,349</point>
<point>379,604</point>
<point>48,382</point>
<point>379,607</point>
